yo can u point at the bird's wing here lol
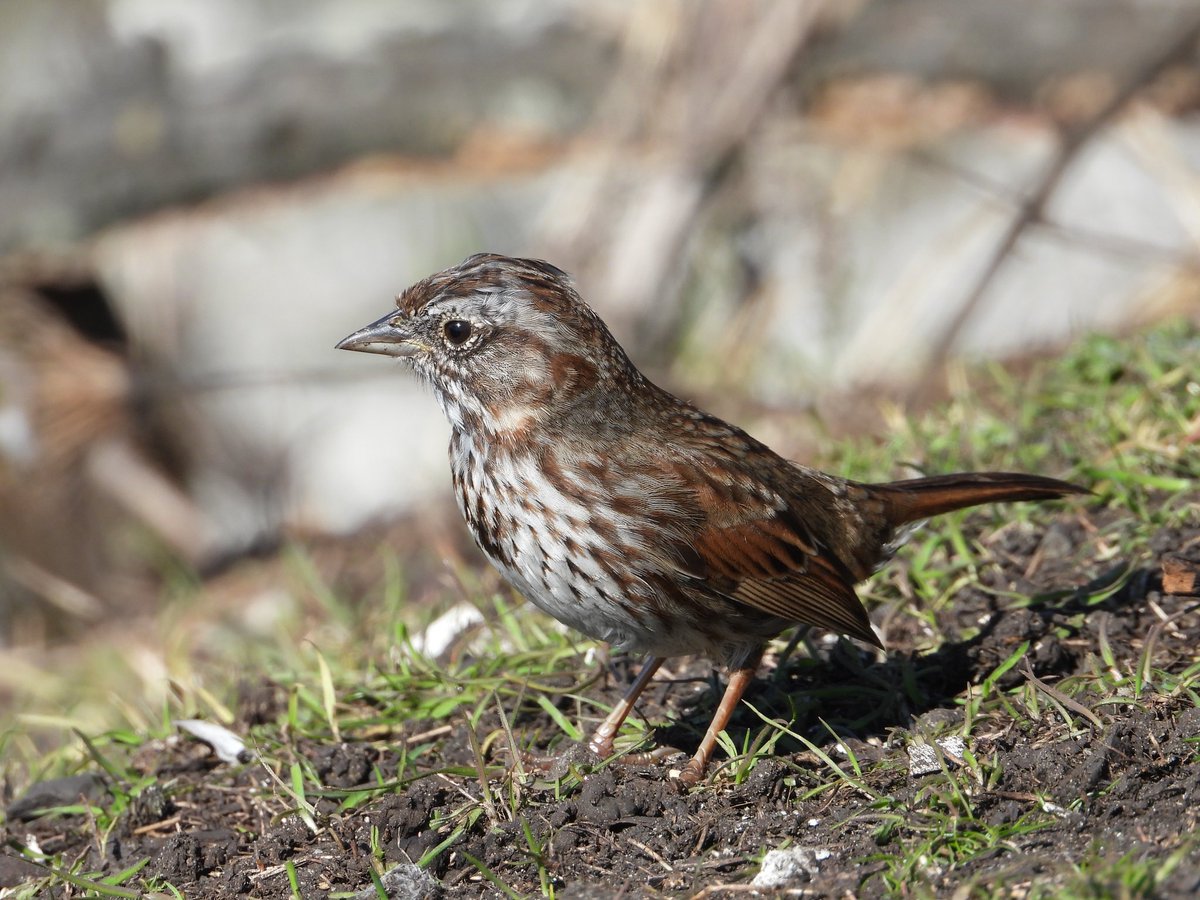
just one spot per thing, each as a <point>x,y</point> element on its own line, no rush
<point>774,564</point>
<point>743,520</point>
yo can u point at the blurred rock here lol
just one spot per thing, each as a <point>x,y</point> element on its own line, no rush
<point>115,107</point>
<point>112,108</point>
<point>1017,47</point>
<point>864,255</point>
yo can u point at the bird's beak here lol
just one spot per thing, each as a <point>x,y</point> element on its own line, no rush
<point>389,336</point>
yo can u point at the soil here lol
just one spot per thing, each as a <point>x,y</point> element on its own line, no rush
<point>1126,783</point>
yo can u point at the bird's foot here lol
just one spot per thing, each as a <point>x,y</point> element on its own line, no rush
<point>690,775</point>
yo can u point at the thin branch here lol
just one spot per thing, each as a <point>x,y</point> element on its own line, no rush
<point>1033,209</point>
<point>1105,242</point>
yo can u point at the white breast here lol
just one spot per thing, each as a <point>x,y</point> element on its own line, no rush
<point>544,546</point>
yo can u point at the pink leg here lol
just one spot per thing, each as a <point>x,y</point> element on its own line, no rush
<point>739,679</point>
<point>601,742</point>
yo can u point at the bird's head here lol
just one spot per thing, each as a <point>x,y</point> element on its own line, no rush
<point>503,341</point>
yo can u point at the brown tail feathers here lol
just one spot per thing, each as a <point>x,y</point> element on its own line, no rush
<point>920,498</point>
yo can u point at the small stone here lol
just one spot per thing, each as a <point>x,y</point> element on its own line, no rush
<point>791,866</point>
<point>404,882</point>
<point>923,758</point>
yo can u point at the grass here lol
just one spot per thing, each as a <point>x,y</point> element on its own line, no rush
<point>1111,414</point>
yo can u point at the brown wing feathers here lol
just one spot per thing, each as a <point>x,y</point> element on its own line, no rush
<point>776,565</point>
<point>770,566</point>
<point>822,596</point>
<point>761,548</point>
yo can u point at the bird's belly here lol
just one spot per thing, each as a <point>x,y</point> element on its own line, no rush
<point>564,578</point>
<point>546,544</point>
<point>584,606</point>
<point>574,583</point>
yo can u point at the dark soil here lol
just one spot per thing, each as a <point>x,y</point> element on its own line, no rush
<point>1127,785</point>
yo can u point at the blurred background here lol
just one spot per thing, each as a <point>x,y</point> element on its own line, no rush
<point>790,212</point>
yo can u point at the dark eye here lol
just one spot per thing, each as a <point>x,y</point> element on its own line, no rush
<point>457,331</point>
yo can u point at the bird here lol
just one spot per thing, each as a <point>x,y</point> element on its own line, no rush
<point>629,514</point>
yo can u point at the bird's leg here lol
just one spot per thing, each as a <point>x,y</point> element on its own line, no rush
<point>739,679</point>
<point>601,742</point>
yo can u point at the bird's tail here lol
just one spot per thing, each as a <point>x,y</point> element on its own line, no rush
<point>919,498</point>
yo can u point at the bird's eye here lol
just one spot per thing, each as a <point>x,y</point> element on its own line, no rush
<point>457,331</point>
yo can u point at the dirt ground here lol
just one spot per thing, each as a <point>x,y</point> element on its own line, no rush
<point>1130,783</point>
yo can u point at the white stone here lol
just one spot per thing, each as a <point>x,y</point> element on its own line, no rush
<point>795,864</point>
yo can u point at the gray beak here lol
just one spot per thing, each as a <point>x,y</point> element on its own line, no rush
<point>389,336</point>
